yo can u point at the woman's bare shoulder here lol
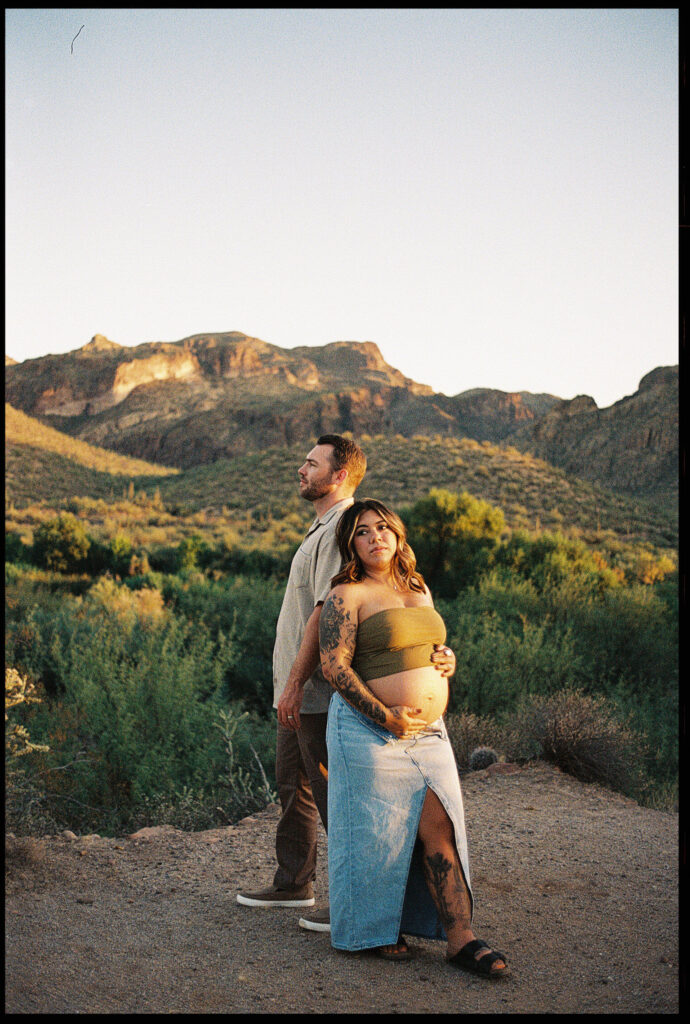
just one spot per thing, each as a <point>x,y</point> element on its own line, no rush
<point>347,595</point>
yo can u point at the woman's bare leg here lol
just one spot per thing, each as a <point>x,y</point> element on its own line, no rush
<point>445,877</point>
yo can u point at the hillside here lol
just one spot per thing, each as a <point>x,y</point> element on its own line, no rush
<point>23,430</point>
<point>531,493</point>
<point>43,464</point>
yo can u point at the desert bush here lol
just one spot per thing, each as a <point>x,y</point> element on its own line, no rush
<point>244,779</point>
<point>15,549</point>
<point>510,639</point>
<point>120,553</point>
<point>551,558</point>
<point>24,797</point>
<point>99,557</point>
<point>244,782</point>
<point>190,550</point>
<point>165,558</point>
<point>655,716</point>
<point>128,606</point>
<point>246,610</point>
<point>61,544</point>
<point>582,735</point>
<point>138,564</point>
<point>18,691</point>
<point>467,731</point>
<point>27,807</point>
<point>135,716</point>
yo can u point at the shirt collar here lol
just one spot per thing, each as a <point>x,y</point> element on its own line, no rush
<point>339,506</point>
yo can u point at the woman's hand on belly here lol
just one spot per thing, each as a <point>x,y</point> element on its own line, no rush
<point>406,721</point>
<point>423,689</point>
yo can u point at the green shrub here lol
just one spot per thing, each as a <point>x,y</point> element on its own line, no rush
<point>135,713</point>
<point>120,553</point>
<point>15,549</point>
<point>165,559</point>
<point>551,558</point>
<point>244,779</point>
<point>244,782</point>
<point>190,550</point>
<point>246,610</point>
<point>527,616</point>
<point>61,544</point>
<point>453,537</point>
<point>627,633</point>
<point>498,663</point>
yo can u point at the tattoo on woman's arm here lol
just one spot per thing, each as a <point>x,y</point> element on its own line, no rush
<point>337,637</point>
<point>335,627</point>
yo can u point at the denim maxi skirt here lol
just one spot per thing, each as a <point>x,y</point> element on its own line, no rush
<point>376,789</point>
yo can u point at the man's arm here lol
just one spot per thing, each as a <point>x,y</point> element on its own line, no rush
<point>304,665</point>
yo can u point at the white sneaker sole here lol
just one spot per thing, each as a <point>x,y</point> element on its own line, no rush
<point>313,926</point>
<point>247,901</point>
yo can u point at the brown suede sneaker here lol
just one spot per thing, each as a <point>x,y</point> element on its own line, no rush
<point>318,921</point>
<point>273,897</point>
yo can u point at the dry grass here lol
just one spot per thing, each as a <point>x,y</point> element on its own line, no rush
<point>23,853</point>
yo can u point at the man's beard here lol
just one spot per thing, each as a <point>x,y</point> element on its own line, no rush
<point>315,490</point>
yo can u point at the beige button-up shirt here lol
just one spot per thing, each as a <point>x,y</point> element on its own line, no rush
<point>315,563</point>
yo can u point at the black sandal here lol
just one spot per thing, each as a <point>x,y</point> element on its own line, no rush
<point>467,959</point>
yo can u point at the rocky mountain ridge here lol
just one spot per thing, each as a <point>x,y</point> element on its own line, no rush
<point>212,396</point>
<point>634,441</point>
<point>102,373</point>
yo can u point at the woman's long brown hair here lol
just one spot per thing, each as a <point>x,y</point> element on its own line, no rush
<point>404,564</point>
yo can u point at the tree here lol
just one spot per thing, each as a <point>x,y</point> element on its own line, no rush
<point>189,550</point>
<point>120,553</point>
<point>61,544</point>
<point>453,537</point>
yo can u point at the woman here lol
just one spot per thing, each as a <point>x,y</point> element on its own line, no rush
<point>392,775</point>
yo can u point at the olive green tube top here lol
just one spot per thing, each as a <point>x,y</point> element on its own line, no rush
<point>397,639</point>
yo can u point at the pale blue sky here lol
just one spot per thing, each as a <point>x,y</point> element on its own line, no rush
<point>489,195</point>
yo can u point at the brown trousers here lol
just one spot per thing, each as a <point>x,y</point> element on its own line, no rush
<point>303,792</point>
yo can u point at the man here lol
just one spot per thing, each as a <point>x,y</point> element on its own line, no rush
<point>328,479</point>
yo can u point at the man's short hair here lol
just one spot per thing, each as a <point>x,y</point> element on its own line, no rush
<point>346,455</point>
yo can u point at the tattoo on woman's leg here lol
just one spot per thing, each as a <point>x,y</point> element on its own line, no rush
<point>448,889</point>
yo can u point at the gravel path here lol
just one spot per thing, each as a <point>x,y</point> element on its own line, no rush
<point>577,885</point>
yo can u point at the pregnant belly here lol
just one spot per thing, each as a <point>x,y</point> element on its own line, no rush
<point>423,688</point>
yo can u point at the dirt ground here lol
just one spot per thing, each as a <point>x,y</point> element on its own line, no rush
<point>577,885</point>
